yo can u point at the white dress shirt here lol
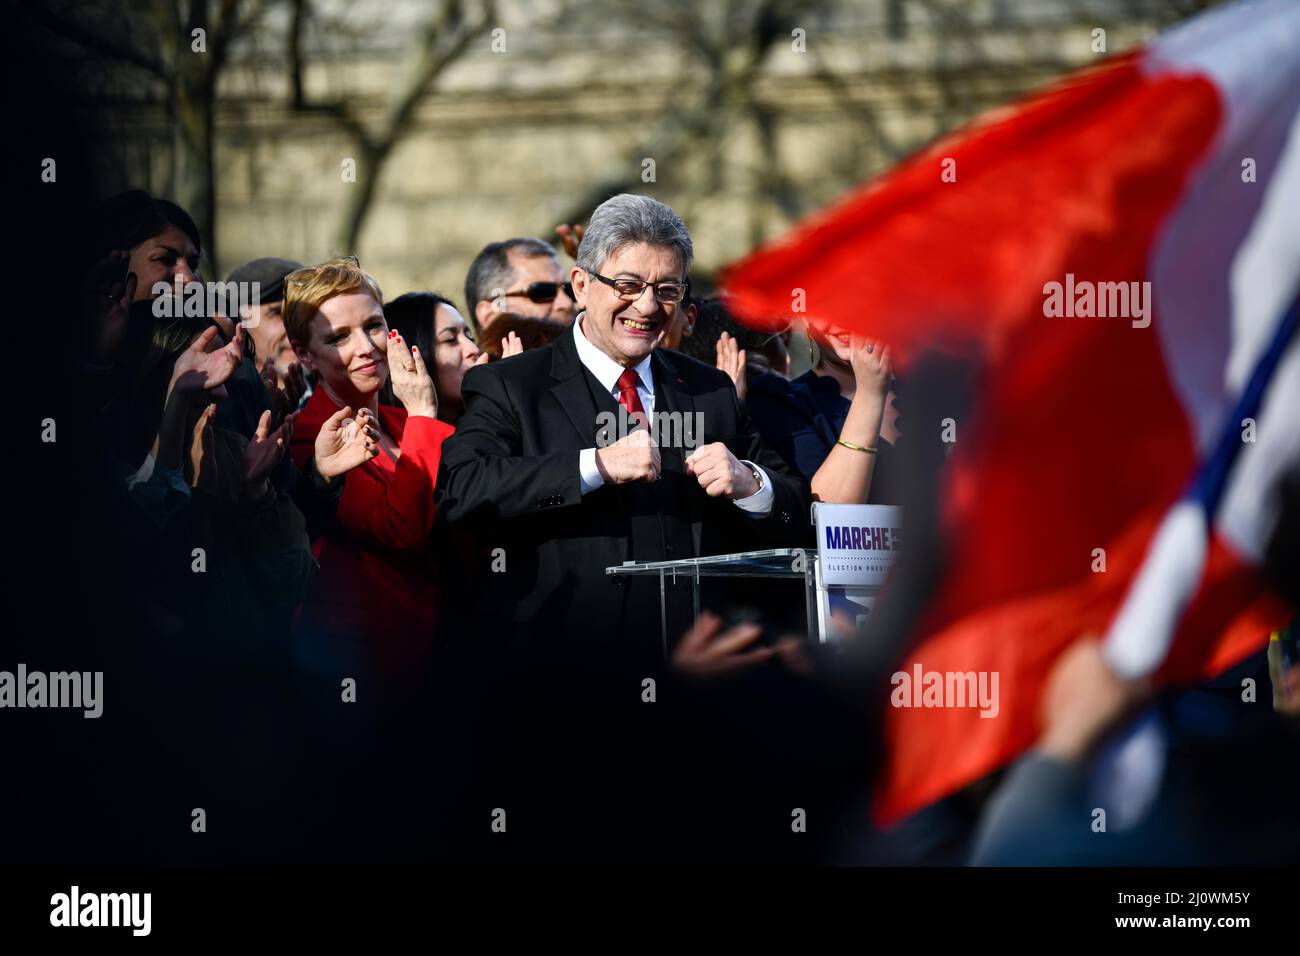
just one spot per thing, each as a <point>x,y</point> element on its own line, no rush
<point>607,372</point>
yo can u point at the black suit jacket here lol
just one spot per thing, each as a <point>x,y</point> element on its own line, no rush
<point>510,478</point>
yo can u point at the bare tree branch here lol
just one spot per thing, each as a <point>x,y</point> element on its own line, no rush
<point>731,73</point>
<point>230,25</point>
<point>297,27</point>
<point>443,40</point>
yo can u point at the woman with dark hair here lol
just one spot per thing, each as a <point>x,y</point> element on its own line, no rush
<point>141,245</point>
<point>159,238</point>
<point>432,323</point>
<point>835,424</point>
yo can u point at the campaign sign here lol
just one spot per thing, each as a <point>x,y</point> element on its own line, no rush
<point>857,544</point>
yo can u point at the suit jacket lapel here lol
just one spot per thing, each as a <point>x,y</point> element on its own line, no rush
<point>672,396</point>
<point>571,389</point>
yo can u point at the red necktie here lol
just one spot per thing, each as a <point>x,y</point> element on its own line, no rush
<point>627,395</point>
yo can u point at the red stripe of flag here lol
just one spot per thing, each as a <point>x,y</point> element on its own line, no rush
<point>1079,440</point>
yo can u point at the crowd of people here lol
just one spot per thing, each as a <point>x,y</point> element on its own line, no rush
<point>327,420</point>
<point>370,537</point>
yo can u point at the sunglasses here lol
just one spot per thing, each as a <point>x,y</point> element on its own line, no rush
<point>544,291</point>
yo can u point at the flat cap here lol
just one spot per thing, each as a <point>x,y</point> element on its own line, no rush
<point>268,273</point>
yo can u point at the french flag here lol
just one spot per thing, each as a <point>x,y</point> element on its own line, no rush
<point>1121,251</point>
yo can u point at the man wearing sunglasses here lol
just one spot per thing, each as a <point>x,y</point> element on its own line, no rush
<point>530,472</point>
<point>521,276</point>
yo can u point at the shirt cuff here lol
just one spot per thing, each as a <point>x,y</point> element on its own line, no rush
<point>589,476</point>
<point>319,483</point>
<point>760,502</point>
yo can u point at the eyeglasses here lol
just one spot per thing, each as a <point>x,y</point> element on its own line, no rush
<point>669,293</point>
<point>544,291</point>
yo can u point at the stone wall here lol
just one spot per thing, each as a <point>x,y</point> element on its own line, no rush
<point>508,142</point>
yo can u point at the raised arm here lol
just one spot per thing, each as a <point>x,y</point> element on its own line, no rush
<point>845,476</point>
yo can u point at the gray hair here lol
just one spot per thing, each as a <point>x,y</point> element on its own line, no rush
<point>491,268</point>
<point>627,218</point>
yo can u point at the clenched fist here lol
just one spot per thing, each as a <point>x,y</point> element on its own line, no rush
<point>720,473</point>
<point>634,457</point>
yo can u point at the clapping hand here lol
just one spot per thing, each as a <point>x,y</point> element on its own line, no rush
<point>512,344</point>
<point>873,369</point>
<point>266,448</point>
<point>571,236</point>
<point>731,359</point>
<point>411,382</point>
<point>203,462</point>
<point>286,389</point>
<point>343,443</point>
<point>199,370</point>
<point>271,379</point>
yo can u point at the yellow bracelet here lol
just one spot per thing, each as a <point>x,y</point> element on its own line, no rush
<point>849,444</point>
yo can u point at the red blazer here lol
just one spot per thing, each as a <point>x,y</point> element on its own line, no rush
<point>376,593</point>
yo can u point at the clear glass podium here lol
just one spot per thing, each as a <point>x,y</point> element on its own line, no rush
<point>841,578</point>
<point>772,563</point>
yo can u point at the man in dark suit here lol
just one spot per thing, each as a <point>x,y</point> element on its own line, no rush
<point>534,469</point>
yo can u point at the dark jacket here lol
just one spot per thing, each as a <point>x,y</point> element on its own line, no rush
<point>510,477</point>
